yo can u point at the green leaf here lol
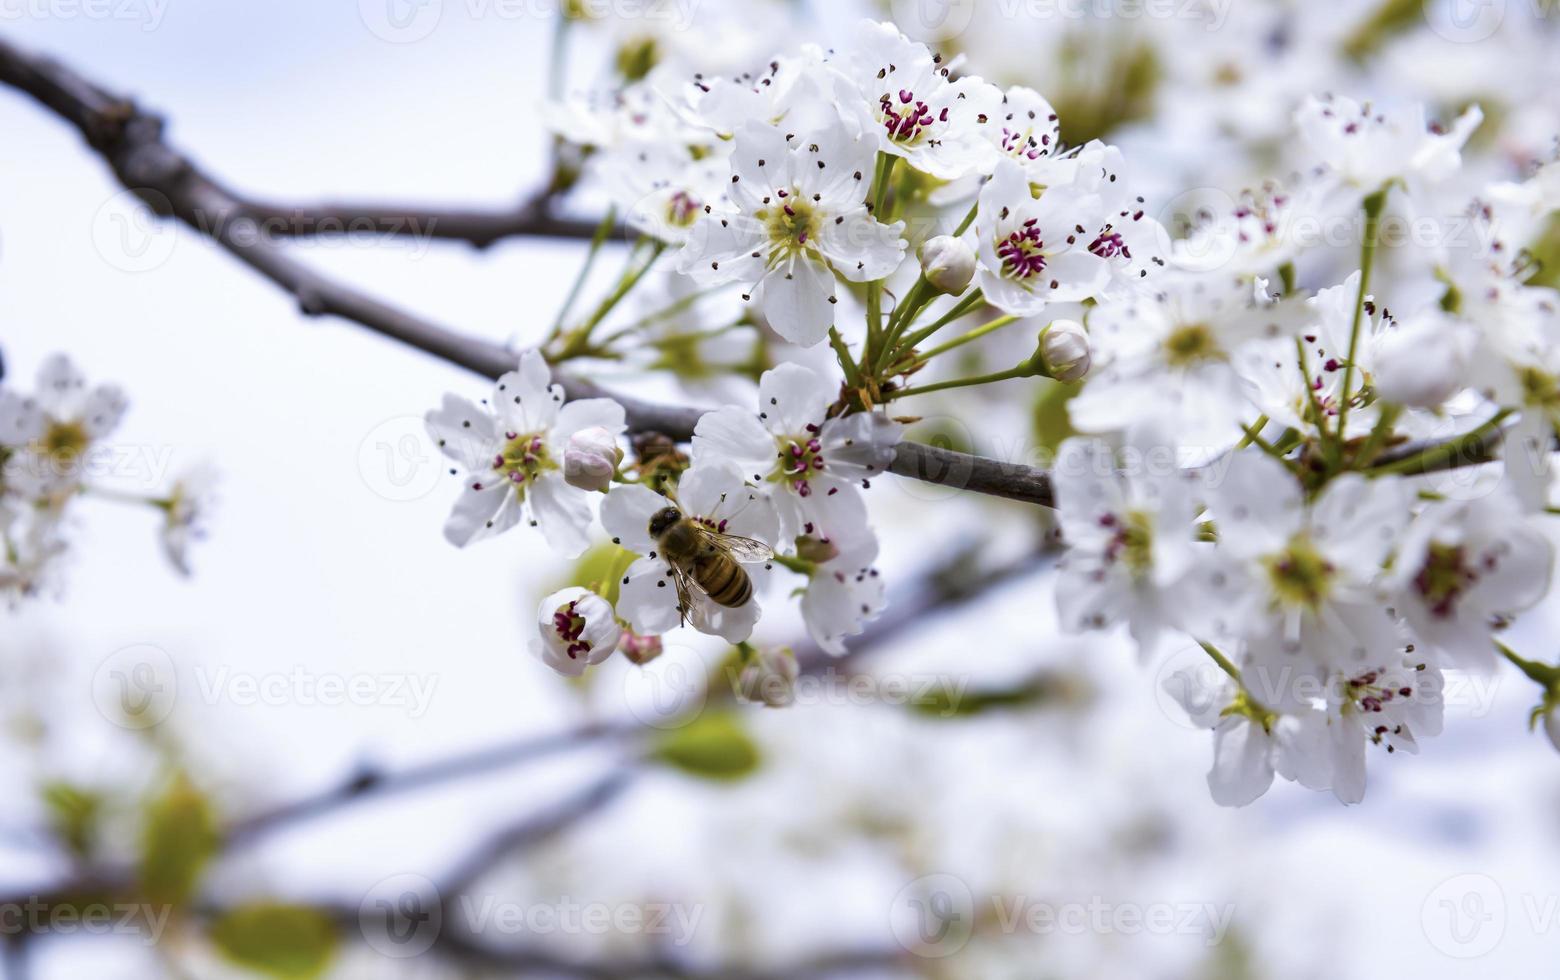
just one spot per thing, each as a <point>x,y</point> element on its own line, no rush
<point>179,838</point>
<point>947,702</point>
<point>1392,18</point>
<point>1545,251</point>
<point>1052,424</point>
<point>601,570</point>
<point>74,815</point>
<point>293,942</point>
<point>714,746</point>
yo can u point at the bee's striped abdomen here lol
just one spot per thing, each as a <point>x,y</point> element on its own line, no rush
<point>722,579</point>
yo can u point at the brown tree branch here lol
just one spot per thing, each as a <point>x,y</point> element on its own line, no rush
<point>172,185</point>
<point>533,218</point>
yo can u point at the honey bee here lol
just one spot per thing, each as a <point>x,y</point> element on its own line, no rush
<point>706,563</point>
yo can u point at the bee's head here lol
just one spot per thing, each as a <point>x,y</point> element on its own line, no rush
<point>663,519</point>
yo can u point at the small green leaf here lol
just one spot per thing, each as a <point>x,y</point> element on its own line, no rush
<point>714,746</point>
<point>74,815</point>
<point>292,942</point>
<point>601,570</point>
<point>1545,252</point>
<point>947,701</point>
<point>1052,424</point>
<point>1392,18</point>
<point>179,837</point>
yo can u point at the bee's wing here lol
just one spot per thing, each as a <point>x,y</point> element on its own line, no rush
<point>748,551</point>
<point>689,595</point>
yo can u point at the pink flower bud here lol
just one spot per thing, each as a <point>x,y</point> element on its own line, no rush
<point>590,459</point>
<point>769,678</point>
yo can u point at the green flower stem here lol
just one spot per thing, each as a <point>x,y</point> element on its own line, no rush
<point>885,174</point>
<point>597,240</point>
<point>633,274</point>
<point>121,497</point>
<point>1254,438</point>
<point>963,308</point>
<point>880,182</point>
<point>1542,674</point>
<point>842,354</point>
<point>1374,204</point>
<point>801,566</point>
<point>975,334</point>
<point>969,219</point>
<point>666,313</point>
<point>1257,427</point>
<point>1022,371</point>
<point>1378,436</point>
<point>1317,415</point>
<point>1438,457</point>
<point>874,320</point>
<point>1220,659</point>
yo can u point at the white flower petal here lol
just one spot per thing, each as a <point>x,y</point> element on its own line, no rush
<point>626,513</point>
<point>561,512</point>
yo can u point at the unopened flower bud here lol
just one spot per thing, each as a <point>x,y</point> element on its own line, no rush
<point>769,678</point>
<point>1423,363</point>
<point>575,629</point>
<point>948,264</point>
<point>591,458</point>
<point>1064,351</point>
<point>638,648</point>
<point>816,550</point>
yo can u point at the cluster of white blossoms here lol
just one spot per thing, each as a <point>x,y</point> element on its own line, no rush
<point>55,447</point>
<point>1333,486</point>
<point>1305,483</point>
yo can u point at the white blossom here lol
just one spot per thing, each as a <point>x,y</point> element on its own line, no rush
<point>1132,538</point>
<point>187,515</point>
<point>1168,355</point>
<point>1362,146</point>
<point>1036,251</point>
<point>812,466</point>
<point>512,449</point>
<point>904,102</point>
<point>797,217</point>
<point>844,593</point>
<point>1463,566</point>
<point>55,431</point>
<point>1309,589</point>
<point>575,629</point>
